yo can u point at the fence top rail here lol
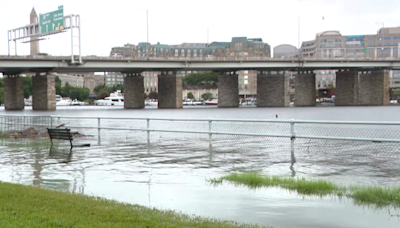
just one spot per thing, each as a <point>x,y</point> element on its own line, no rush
<point>217,120</point>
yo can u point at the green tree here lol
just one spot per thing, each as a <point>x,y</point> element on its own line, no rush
<point>58,85</point>
<point>153,95</point>
<point>207,96</point>
<point>98,89</point>
<point>65,90</point>
<point>190,95</point>
<point>1,91</point>
<point>102,94</point>
<point>27,84</point>
<point>207,78</point>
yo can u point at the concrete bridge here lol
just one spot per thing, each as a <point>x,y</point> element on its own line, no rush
<point>358,81</point>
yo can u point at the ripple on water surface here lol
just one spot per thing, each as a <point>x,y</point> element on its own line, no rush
<point>173,175</point>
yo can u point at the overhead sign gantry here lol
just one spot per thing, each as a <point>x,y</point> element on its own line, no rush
<point>48,24</point>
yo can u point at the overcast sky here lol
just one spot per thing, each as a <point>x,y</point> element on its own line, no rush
<point>114,23</point>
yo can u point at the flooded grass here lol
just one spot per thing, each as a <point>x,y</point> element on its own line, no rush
<point>376,195</point>
<point>27,206</point>
<point>379,196</point>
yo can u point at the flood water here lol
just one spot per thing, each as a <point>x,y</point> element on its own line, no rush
<point>173,173</point>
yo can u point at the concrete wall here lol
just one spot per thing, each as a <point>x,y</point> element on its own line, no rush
<point>44,92</point>
<point>169,90</point>
<point>272,90</point>
<point>228,90</point>
<point>13,93</point>
<point>133,91</point>
<point>374,87</point>
<point>346,88</point>
<point>305,89</point>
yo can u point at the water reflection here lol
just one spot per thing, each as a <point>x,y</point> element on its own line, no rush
<point>173,176</point>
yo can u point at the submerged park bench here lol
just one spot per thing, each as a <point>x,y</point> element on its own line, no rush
<point>63,134</point>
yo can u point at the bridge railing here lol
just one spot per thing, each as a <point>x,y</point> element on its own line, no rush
<point>204,58</point>
<point>292,139</point>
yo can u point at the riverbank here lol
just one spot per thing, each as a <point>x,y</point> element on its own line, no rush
<point>27,206</point>
<point>377,195</point>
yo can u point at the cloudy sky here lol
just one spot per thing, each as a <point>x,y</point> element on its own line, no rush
<point>113,23</point>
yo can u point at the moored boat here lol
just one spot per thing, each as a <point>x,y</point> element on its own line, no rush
<point>151,102</point>
<point>213,101</point>
<point>115,99</point>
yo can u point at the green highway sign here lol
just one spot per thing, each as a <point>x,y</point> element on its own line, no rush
<point>52,21</point>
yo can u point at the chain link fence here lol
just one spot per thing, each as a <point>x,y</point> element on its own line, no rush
<point>281,141</point>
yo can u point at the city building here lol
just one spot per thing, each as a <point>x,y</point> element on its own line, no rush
<point>128,50</point>
<point>285,51</point>
<point>395,79</point>
<point>76,80</point>
<point>238,47</point>
<point>332,44</point>
<point>81,80</point>
<point>197,91</point>
<point>90,81</point>
<point>113,78</point>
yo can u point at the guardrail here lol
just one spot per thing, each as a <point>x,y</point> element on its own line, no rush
<point>204,58</point>
<point>370,136</point>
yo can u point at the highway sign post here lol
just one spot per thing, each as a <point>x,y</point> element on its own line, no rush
<point>52,21</point>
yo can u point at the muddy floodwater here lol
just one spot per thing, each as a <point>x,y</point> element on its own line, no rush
<point>173,173</point>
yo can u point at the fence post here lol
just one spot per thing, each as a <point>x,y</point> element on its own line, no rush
<point>292,138</point>
<point>51,122</point>
<point>24,121</point>
<point>210,136</point>
<point>98,130</point>
<point>148,135</point>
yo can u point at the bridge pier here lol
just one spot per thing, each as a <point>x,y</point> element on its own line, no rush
<point>13,93</point>
<point>374,87</point>
<point>133,91</point>
<point>228,90</point>
<point>272,89</point>
<point>43,92</point>
<point>347,88</point>
<point>305,89</point>
<point>169,90</point>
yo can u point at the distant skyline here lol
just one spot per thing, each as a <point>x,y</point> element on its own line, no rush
<point>115,23</point>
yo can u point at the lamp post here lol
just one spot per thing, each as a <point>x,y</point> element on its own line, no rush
<point>383,37</point>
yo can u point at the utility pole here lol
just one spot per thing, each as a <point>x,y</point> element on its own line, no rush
<point>207,33</point>
<point>298,31</point>
<point>147,16</point>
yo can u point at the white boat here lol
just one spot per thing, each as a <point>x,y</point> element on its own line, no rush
<point>116,99</point>
<point>28,101</point>
<point>192,102</point>
<point>66,101</point>
<point>151,102</point>
<point>213,101</point>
